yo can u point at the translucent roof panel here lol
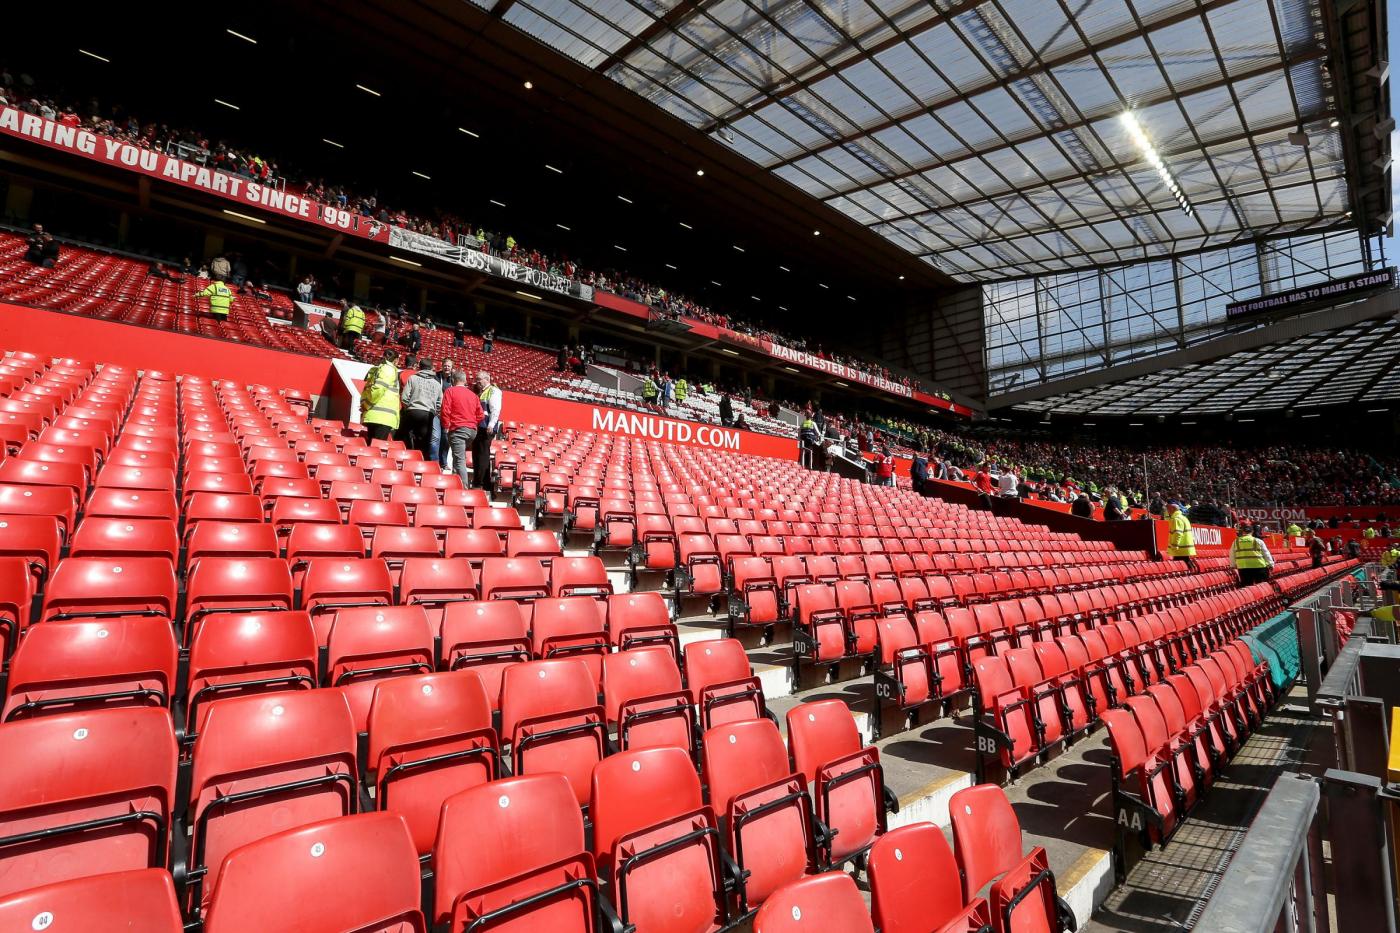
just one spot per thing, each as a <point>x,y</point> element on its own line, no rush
<point>994,127</point>
<point>1354,365</point>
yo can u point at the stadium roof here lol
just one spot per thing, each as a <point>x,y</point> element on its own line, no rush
<point>1354,365</point>
<point>988,137</point>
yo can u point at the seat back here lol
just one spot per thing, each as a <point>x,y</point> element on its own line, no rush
<point>81,770</point>
<point>826,903</point>
<point>295,880</point>
<point>915,885</point>
<point>525,830</point>
<point>135,901</point>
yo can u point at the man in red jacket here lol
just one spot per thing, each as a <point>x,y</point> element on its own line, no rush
<point>461,413</point>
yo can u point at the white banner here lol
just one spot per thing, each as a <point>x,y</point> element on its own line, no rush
<point>478,261</point>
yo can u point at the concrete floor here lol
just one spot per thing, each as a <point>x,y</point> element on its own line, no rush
<point>1167,888</point>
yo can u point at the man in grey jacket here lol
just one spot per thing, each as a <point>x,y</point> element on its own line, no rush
<point>421,401</point>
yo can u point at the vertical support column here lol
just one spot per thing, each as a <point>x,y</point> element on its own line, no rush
<point>1361,853</point>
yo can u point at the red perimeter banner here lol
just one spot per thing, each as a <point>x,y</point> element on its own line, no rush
<point>239,192</point>
<point>580,417</point>
<point>1211,540</point>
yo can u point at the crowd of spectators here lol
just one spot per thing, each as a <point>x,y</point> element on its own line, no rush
<point>253,163</point>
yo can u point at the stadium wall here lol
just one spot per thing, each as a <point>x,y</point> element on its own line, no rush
<point>55,333</point>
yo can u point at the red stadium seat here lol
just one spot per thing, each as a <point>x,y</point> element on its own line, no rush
<point>368,643</point>
<point>551,718</point>
<point>844,775</point>
<point>238,653</point>
<point>135,901</point>
<point>657,842</point>
<point>263,764</point>
<point>430,736</point>
<point>60,667</point>
<point>764,810</point>
<point>915,885</point>
<point>84,771</point>
<point>644,701</point>
<point>721,682</point>
<point>486,637</point>
<point>987,842</point>
<point>297,880</point>
<point>828,903</point>
<point>513,851</point>
<point>84,587</point>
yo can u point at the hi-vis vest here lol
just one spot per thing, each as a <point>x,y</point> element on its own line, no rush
<point>220,297</point>
<point>487,395</point>
<point>1180,541</point>
<point>380,404</point>
<point>353,322</point>
<point>648,389</point>
<point>1248,553</point>
<point>682,390</point>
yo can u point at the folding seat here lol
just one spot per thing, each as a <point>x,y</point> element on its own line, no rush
<point>765,813</point>
<point>826,903</point>
<point>126,537</point>
<point>819,626</point>
<point>915,885</point>
<point>396,544</point>
<point>700,572</point>
<point>70,476</point>
<point>1113,673</point>
<point>248,652</point>
<point>541,545</point>
<point>447,484</point>
<point>637,619</point>
<point>656,842</point>
<point>500,520</point>
<point>570,626</point>
<point>228,484</point>
<point>486,637</point>
<point>90,587</point>
<point>430,736</point>
<point>264,764</point>
<point>844,776</point>
<point>513,851</point>
<point>292,487</point>
<point>288,513</point>
<point>655,548</point>
<point>754,597</point>
<point>37,540</point>
<point>1005,725</point>
<point>85,456</point>
<point>91,664</point>
<point>722,685</point>
<point>552,721</point>
<point>135,901</point>
<point>335,583</point>
<point>513,578</point>
<point>988,847</point>
<point>551,499</point>
<point>1148,801</point>
<point>94,795</point>
<point>369,515</point>
<point>1077,703</point>
<point>578,576</point>
<point>365,644</point>
<point>433,582</point>
<point>235,584</point>
<point>55,501</point>
<point>822,568</point>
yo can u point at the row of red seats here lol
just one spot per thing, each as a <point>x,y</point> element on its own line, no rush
<point>667,860</point>
<point>1171,741</point>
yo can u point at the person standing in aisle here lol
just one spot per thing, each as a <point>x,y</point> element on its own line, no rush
<point>490,396</point>
<point>1250,557</point>
<point>461,415</point>
<point>379,402</point>
<point>422,399</point>
<point>220,298</point>
<point>1181,541</point>
<point>352,325</point>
